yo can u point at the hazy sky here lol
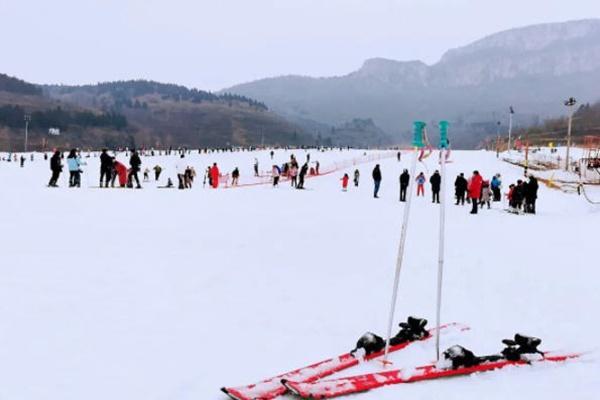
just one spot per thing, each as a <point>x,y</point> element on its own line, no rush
<point>214,44</point>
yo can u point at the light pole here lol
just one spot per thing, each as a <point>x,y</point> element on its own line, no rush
<point>510,117</point>
<point>27,121</point>
<point>497,139</point>
<point>569,103</point>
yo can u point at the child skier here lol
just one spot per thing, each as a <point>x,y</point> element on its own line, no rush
<point>421,184</point>
<point>345,180</point>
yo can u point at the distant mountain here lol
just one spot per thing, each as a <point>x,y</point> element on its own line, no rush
<point>137,113</point>
<point>532,68</point>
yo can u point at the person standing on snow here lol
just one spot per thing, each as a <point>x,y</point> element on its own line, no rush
<point>531,194</point>
<point>475,190</point>
<point>345,180</point>
<point>486,194</point>
<point>276,172</point>
<point>56,168</point>
<point>256,167</point>
<point>303,172</point>
<point>134,162</point>
<point>294,174</point>
<point>214,176</point>
<point>460,188</point>
<point>404,181</point>
<point>496,185</point>
<point>235,176</point>
<point>436,181</point>
<point>356,177</point>
<point>421,184</point>
<point>106,166</point>
<point>157,170</point>
<point>74,165</point>
<point>376,180</point>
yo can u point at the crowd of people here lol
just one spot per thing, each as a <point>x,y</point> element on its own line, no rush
<point>476,190</point>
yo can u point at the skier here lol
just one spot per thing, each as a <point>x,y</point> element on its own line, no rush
<point>235,175</point>
<point>293,174</point>
<point>276,172</point>
<point>496,186</point>
<point>376,180</point>
<point>356,177</point>
<point>214,176</point>
<point>303,172</point>
<point>399,155</point>
<point>435,181</point>
<point>146,174</point>
<point>475,190</point>
<point>22,161</point>
<point>404,180</point>
<point>256,167</point>
<point>345,182</point>
<point>120,170</point>
<point>531,195</point>
<point>180,172</point>
<point>134,162</point>
<point>421,184</point>
<point>317,165</point>
<point>272,154</point>
<point>106,165</point>
<point>157,170</point>
<point>486,194</point>
<point>460,188</point>
<point>518,195</point>
<point>74,165</point>
<point>56,168</point>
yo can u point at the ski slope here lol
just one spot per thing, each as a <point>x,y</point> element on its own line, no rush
<point>159,294</point>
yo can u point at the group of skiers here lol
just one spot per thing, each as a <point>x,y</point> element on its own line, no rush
<point>290,170</point>
<point>522,196</point>
<point>475,190</point>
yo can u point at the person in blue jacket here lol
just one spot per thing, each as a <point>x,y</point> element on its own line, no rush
<point>496,185</point>
<point>74,164</point>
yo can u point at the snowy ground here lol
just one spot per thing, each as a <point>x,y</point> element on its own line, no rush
<point>166,294</point>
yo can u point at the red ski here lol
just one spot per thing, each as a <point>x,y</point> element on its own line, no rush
<point>272,387</point>
<point>338,387</point>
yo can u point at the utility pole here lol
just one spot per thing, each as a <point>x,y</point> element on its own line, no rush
<point>27,121</point>
<point>569,103</point>
<point>510,117</point>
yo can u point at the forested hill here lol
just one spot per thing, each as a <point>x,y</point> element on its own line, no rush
<point>136,113</point>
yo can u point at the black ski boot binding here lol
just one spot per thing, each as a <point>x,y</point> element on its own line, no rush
<point>459,357</point>
<point>521,345</point>
<point>370,342</point>
<point>411,330</point>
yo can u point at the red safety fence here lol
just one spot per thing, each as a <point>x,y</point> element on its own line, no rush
<point>267,178</point>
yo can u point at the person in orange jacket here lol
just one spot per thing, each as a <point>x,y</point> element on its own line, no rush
<point>345,180</point>
<point>214,175</point>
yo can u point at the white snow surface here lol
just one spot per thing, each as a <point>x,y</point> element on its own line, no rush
<point>171,294</point>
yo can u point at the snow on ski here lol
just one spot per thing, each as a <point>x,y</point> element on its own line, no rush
<point>272,387</point>
<point>360,383</point>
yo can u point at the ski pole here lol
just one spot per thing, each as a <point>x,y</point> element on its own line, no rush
<point>443,146</point>
<point>417,142</point>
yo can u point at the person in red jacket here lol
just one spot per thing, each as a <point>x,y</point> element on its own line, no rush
<point>345,180</point>
<point>120,170</point>
<point>475,185</point>
<point>214,175</point>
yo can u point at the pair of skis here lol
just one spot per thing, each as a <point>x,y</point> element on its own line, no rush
<point>273,387</point>
<point>355,384</point>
